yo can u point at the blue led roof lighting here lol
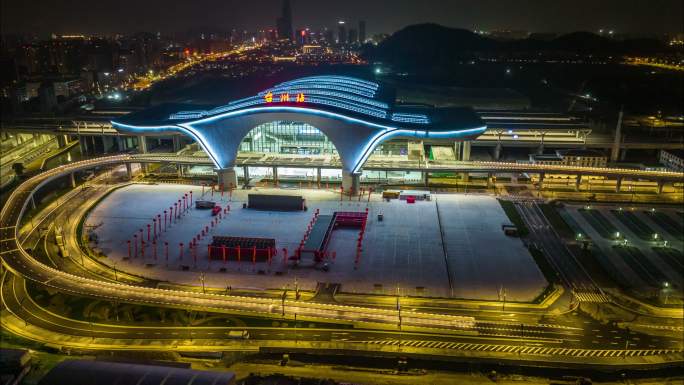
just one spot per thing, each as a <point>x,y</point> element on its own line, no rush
<point>348,111</point>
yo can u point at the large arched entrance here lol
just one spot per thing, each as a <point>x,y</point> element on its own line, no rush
<point>285,137</point>
<point>295,145</point>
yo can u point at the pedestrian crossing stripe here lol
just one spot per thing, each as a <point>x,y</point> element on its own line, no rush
<point>520,349</point>
<point>586,296</point>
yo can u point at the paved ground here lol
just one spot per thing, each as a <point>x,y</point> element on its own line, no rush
<point>404,250</point>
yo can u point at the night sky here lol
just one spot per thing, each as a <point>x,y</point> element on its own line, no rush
<point>178,16</point>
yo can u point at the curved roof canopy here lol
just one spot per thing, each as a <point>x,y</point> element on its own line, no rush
<point>355,114</point>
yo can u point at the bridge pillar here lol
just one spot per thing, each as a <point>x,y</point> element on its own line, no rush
<point>176,143</point>
<point>179,169</point>
<point>227,177</point>
<point>246,174</point>
<point>61,140</point>
<point>120,144</point>
<point>623,154</point>
<point>142,144</point>
<point>618,184</point>
<point>615,148</point>
<point>465,177</point>
<point>578,182</point>
<point>541,180</point>
<point>350,182</point>
<point>129,173</point>
<point>107,144</point>
<point>275,175</point>
<point>72,180</point>
<point>466,150</point>
<point>497,151</point>
<point>83,143</point>
<point>490,176</point>
<point>425,178</point>
<point>457,151</point>
<point>661,184</point>
<point>318,177</point>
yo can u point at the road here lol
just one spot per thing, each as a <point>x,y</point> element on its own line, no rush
<point>569,269</point>
<point>561,341</point>
<point>574,335</point>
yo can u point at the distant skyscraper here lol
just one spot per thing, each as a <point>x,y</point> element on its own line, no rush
<point>329,36</point>
<point>353,36</point>
<point>362,31</point>
<point>341,32</point>
<point>284,22</point>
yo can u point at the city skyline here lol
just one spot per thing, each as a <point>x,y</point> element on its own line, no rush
<point>170,17</point>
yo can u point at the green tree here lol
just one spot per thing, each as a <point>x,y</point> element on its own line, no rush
<point>18,169</point>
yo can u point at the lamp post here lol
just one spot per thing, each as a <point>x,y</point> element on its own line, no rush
<point>666,291</point>
<point>398,308</point>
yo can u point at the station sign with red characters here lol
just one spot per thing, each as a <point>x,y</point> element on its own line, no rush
<point>284,97</point>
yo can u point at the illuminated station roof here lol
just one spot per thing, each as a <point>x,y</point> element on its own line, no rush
<point>356,115</point>
<point>346,96</point>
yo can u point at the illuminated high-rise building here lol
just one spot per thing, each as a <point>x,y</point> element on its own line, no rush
<point>353,36</point>
<point>284,22</point>
<point>362,31</point>
<point>341,32</point>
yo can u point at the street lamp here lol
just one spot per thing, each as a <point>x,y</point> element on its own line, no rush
<point>666,286</point>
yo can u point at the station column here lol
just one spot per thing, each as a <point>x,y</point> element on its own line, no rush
<point>466,150</point>
<point>176,143</point>
<point>227,177</point>
<point>142,144</point>
<point>350,182</point>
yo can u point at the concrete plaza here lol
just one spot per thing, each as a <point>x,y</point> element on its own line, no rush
<point>404,250</point>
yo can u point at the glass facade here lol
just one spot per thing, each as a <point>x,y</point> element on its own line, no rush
<point>282,137</point>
